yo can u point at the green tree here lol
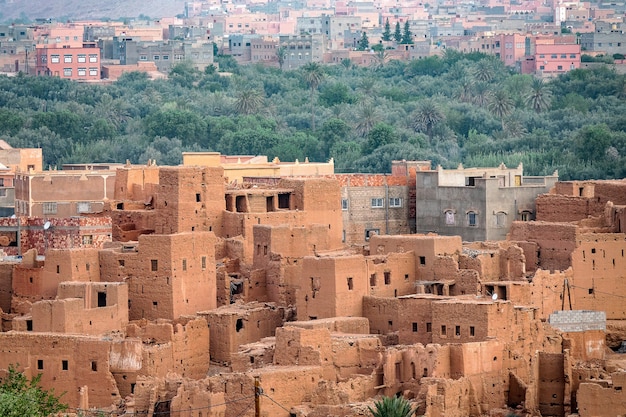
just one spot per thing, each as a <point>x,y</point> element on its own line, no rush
<point>501,105</point>
<point>21,397</point>
<point>397,34</point>
<point>367,117</point>
<point>335,93</point>
<point>484,70</point>
<point>248,101</point>
<point>426,116</point>
<point>592,142</point>
<point>313,75</point>
<point>387,31</point>
<point>364,43</point>
<point>539,97</point>
<point>281,54</point>
<point>382,134</point>
<point>392,407</point>
<point>407,35</point>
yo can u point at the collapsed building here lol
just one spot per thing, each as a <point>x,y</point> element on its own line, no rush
<point>210,287</point>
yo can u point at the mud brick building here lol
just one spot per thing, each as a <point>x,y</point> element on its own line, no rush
<point>197,295</point>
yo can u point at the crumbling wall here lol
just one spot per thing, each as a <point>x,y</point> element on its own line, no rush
<point>599,266</point>
<point>66,364</point>
<point>83,308</point>
<point>556,242</point>
<point>239,324</point>
<point>595,399</point>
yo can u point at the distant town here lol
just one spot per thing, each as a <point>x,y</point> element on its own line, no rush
<point>545,38</point>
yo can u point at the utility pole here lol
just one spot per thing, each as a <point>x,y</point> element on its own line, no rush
<point>257,397</point>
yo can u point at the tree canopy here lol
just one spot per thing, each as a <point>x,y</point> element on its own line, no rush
<point>451,109</point>
<point>21,397</point>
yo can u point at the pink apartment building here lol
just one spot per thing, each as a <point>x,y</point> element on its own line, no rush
<point>78,63</point>
<point>550,60</point>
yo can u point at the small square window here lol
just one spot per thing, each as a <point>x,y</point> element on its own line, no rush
<point>414,327</point>
<point>64,365</point>
<point>429,327</point>
<point>344,204</point>
<point>395,202</point>
<point>471,218</point>
<point>40,364</point>
<point>378,202</point>
<point>443,330</point>
<point>154,265</point>
<point>472,331</point>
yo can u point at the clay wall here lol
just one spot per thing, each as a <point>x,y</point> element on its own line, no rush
<point>464,321</point>
<point>546,291</point>
<point>288,241</point>
<point>551,384</point>
<point>425,247</point>
<point>235,325</point>
<point>6,285</point>
<point>60,265</point>
<point>332,287</point>
<point>194,399</point>
<point>189,199</point>
<point>392,275</point>
<point>410,317</point>
<point>577,200</point>
<point>555,241</point>
<point>599,268</point>
<point>66,364</point>
<point>585,346</point>
<point>129,224</point>
<point>83,308</point>
<point>494,261</point>
<point>594,399</point>
<point>135,183</point>
<point>180,347</point>
<point>168,275</point>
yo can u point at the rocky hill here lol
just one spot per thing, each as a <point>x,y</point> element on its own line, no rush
<point>88,9</point>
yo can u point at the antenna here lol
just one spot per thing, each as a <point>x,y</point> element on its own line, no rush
<point>46,225</point>
<point>494,297</point>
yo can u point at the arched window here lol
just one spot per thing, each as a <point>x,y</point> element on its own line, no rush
<point>500,219</point>
<point>450,218</point>
<point>472,219</point>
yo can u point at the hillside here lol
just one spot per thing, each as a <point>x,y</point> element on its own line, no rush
<point>88,9</point>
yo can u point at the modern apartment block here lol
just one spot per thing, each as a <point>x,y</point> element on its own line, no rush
<point>476,203</point>
<point>72,63</point>
<point>166,54</point>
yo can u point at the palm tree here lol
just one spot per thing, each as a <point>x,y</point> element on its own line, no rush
<point>484,70</point>
<point>248,101</point>
<point>501,105</point>
<point>381,57</point>
<point>367,118</point>
<point>392,407</point>
<point>426,116</point>
<point>481,92</point>
<point>540,96</point>
<point>313,75</point>
<point>281,54</point>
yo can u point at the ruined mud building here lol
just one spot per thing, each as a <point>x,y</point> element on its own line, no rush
<point>459,329</point>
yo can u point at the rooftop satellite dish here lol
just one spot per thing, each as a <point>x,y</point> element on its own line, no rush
<point>494,297</point>
<point>13,216</point>
<point>46,225</point>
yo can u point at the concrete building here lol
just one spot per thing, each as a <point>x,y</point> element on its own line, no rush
<point>476,203</point>
<point>166,54</point>
<point>73,63</point>
<point>62,193</point>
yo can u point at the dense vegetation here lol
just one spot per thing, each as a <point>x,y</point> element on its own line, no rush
<point>459,108</point>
